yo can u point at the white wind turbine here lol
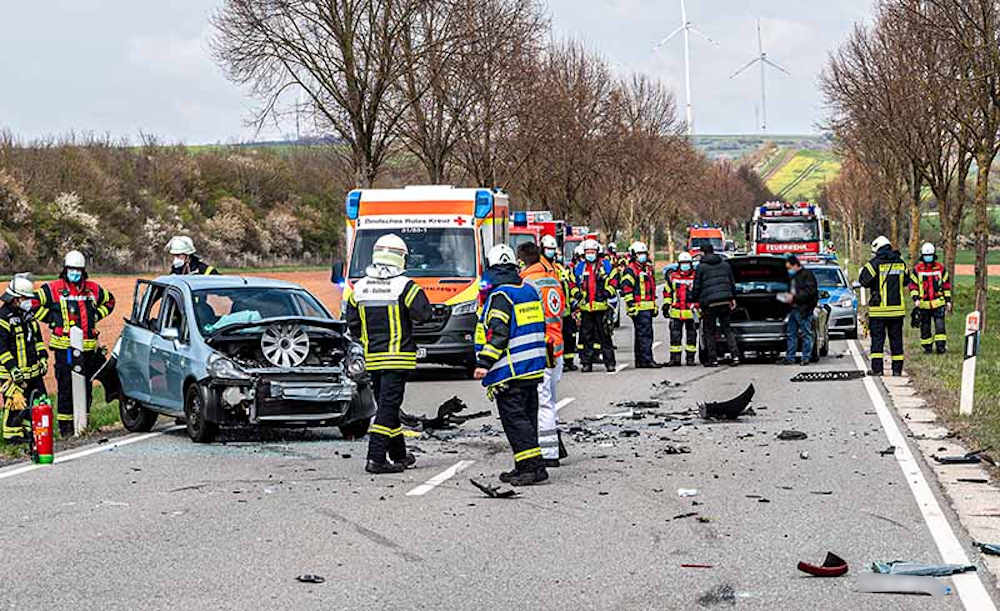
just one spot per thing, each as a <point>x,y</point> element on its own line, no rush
<point>686,28</point>
<point>764,62</point>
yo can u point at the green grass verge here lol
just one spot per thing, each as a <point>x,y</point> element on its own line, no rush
<point>102,415</point>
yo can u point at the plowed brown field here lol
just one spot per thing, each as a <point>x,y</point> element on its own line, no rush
<point>123,288</point>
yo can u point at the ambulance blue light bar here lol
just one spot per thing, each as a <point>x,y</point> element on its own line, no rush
<point>353,204</point>
<point>484,203</point>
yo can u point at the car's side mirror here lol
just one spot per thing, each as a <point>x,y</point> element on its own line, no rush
<point>824,294</point>
<point>171,334</point>
<point>337,272</point>
<point>855,285</point>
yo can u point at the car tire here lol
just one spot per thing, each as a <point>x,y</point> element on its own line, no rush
<point>198,429</point>
<point>136,418</point>
<point>354,430</point>
<point>852,334</point>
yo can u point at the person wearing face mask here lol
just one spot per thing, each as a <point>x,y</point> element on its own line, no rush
<point>23,359</point>
<point>73,301</point>
<point>638,289</point>
<point>184,260</point>
<point>680,309</point>
<point>930,288</point>
<point>594,280</point>
<point>803,296</point>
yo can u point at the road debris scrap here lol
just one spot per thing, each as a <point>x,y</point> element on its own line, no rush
<point>310,579</point>
<point>833,566</point>
<point>719,595</point>
<point>990,549</point>
<point>494,492</point>
<point>686,492</point>
<point>788,435</point>
<point>890,451</point>
<point>727,410</point>
<point>970,458</point>
<point>827,376</point>
<point>447,416</point>
<point>903,567</point>
<point>901,584</point>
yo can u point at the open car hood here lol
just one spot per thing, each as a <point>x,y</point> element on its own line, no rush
<point>327,323</point>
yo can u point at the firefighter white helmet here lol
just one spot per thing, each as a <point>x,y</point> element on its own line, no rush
<point>20,286</point>
<point>879,243</point>
<point>549,241</point>
<point>501,254</point>
<point>591,244</point>
<point>927,249</point>
<point>180,245</point>
<point>390,250</point>
<point>75,259</point>
<point>578,251</point>
<point>684,257</point>
<point>637,247</point>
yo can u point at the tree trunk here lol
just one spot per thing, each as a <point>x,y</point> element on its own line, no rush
<point>984,159</point>
<point>915,186</point>
<point>894,230</point>
<point>670,242</point>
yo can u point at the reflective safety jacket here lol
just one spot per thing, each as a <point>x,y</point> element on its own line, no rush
<point>510,336</point>
<point>195,267</point>
<point>546,280</point>
<point>21,347</point>
<point>381,312</point>
<point>930,284</point>
<point>595,281</point>
<point>571,291</point>
<point>886,277</point>
<point>677,294</point>
<point>638,287</point>
<point>63,305</point>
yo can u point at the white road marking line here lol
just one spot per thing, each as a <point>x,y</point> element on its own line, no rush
<point>61,458</point>
<point>564,402</point>
<point>440,478</point>
<point>969,586</point>
<point>620,368</point>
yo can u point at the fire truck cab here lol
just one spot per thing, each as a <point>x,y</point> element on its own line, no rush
<point>781,227</point>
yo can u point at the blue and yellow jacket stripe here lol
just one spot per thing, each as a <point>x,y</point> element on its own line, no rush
<point>510,336</point>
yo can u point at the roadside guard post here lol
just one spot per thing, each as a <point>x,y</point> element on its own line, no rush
<point>972,324</point>
<point>79,381</point>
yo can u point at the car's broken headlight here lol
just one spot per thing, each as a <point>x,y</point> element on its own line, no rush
<point>355,361</point>
<point>223,368</point>
<point>846,302</point>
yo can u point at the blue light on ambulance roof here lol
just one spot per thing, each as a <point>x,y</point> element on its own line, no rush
<point>353,204</point>
<point>520,219</point>
<point>484,203</point>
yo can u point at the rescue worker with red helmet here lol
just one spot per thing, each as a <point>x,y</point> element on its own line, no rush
<point>638,290</point>
<point>73,301</point>
<point>594,278</point>
<point>886,278</point>
<point>380,312</point>
<point>540,272</point>
<point>930,288</point>
<point>23,359</point>
<point>510,360</point>
<point>680,309</point>
<point>185,260</point>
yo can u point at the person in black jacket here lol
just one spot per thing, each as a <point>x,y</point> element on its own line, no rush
<point>803,296</point>
<point>714,290</point>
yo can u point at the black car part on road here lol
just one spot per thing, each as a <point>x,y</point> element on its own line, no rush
<point>727,410</point>
<point>827,376</point>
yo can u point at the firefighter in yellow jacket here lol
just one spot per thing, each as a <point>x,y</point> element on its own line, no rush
<point>23,358</point>
<point>886,278</point>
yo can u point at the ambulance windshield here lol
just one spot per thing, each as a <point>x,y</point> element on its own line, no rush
<point>435,252</point>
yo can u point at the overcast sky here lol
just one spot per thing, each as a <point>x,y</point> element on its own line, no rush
<point>125,66</point>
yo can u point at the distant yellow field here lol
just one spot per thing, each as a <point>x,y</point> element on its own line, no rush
<point>802,176</point>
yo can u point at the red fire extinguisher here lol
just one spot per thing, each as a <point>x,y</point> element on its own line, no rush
<point>41,430</point>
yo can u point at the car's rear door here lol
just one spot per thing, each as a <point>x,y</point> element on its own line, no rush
<point>170,359</point>
<point>133,355</point>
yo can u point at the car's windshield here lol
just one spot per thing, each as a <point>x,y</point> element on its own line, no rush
<point>700,243</point>
<point>516,239</point>
<point>792,230</point>
<point>434,252</point>
<point>828,276</point>
<point>217,308</point>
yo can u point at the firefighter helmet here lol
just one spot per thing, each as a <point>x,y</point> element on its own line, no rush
<point>578,251</point>
<point>613,248</point>
<point>636,248</point>
<point>549,241</point>
<point>879,243</point>
<point>390,250</point>
<point>591,244</point>
<point>20,286</point>
<point>75,259</point>
<point>180,245</point>
<point>927,249</point>
<point>684,257</point>
<point>501,254</point>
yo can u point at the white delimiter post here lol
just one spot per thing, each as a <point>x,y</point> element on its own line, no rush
<point>79,381</point>
<point>972,324</point>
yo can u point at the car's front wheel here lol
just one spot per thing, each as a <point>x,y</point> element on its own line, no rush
<point>135,418</point>
<point>199,429</point>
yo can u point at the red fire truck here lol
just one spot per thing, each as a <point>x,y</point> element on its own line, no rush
<point>781,227</point>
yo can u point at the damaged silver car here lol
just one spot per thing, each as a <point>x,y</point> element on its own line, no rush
<point>227,350</point>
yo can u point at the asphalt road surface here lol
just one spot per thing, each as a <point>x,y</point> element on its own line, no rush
<point>164,523</point>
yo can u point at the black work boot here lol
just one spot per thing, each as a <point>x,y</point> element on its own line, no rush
<point>675,360</point>
<point>586,368</point>
<point>379,468</point>
<point>65,429</point>
<point>928,350</point>
<point>570,366</point>
<point>690,359</point>
<point>530,478</point>
<point>408,460</point>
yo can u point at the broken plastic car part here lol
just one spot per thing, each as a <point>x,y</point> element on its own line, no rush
<point>727,410</point>
<point>902,584</point>
<point>833,566</point>
<point>902,567</point>
<point>494,492</point>
<point>792,435</point>
<point>447,416</point>
<point>827,376</point>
